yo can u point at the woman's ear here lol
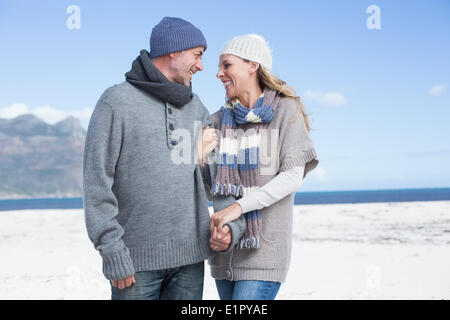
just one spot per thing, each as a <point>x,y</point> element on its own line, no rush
<point>254,66</point>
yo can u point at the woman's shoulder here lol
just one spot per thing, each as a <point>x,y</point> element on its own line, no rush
<point>287,105</point>
<point>287,110</point>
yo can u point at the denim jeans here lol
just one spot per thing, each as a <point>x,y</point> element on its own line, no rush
<point>182,283</point>
<point>247,289</point>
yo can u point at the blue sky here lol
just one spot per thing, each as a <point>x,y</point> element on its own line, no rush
<point>379,100</point>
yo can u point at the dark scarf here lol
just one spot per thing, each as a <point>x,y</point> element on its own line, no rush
<point>147,77</point>
<point>238,166</point>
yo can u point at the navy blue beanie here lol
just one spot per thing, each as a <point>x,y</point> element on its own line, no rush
<point>173,35</point>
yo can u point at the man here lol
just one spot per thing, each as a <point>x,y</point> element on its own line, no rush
<point>146,214</point>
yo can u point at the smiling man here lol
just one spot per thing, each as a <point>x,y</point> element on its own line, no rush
<point>147,216</point>
<point>181,66</point>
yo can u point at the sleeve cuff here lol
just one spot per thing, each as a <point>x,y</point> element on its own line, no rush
<point>237,231</point>
<point>118,266</point>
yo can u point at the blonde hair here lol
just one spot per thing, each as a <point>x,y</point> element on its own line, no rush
<point>267,79</point>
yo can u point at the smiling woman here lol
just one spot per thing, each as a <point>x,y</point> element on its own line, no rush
<point>254,203</point>
<point>234,70</point>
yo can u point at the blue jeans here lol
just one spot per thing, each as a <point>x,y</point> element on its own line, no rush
<point>247,289</point>
<point>182,283</point>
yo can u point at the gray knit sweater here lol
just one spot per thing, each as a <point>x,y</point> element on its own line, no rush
<point>294,148</point>
<point>144,199</point>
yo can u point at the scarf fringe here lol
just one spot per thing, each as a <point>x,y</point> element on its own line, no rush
<point>250,242</point>
<point>224,189</point>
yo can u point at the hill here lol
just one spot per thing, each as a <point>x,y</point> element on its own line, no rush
<point>40,160</point>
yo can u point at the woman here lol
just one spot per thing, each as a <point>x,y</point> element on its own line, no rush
<point>265,152</point>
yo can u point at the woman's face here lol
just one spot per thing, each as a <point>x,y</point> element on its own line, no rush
<point>235,74</point>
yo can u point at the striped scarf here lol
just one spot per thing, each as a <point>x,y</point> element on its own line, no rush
<point>237,169</point>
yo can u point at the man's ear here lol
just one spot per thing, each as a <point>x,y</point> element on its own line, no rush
<point>173,54</point>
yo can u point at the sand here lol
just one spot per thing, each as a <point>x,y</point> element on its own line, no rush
<point>340,251</point>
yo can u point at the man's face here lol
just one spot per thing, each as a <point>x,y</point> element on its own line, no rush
<point>185,63</point>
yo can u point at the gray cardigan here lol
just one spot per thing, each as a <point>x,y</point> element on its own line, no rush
<point>294,148</point>
<point>144,199</point>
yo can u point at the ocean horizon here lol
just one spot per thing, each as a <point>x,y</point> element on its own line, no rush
<point>301,198</point>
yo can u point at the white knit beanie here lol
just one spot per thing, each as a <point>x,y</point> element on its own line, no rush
<point>252,47</point>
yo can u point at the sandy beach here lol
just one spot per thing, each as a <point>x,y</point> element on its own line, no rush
<point>340,251</point>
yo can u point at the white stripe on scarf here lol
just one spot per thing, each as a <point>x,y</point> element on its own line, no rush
<point>230,145</point>
<point>252,117</point>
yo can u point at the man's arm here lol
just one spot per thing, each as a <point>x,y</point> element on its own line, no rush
<point>101,152</point>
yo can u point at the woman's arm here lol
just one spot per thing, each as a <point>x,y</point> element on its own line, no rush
<point>276,189</point>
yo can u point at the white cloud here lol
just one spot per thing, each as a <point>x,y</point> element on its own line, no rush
<point>333,99</point>
<point>436,90</point>
<point>14,110</point>
<point>49,114</point>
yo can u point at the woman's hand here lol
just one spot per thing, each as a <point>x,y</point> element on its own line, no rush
<point>228,214</point>
<point>220,239</point>
<point>206,144</point>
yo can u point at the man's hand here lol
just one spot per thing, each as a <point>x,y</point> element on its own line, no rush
<point>228,214</point>
<point>220,239</point>
<point>206,144</point>
<point>124,283</point>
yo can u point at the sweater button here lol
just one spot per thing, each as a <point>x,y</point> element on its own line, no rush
<point>169,110</point>
<point>171,127</point>
<point>228,274</point>
<point>174,142</point>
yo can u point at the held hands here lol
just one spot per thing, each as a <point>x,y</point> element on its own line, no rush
<point>220,234</point>
<point>206,144</point>
<point>220,239</point>
<point>228,214</point>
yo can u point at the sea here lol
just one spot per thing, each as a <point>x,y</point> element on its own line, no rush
<point>301,198</point>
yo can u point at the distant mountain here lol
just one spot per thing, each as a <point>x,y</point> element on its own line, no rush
<point>40,160</point>
<point>70,127</point>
